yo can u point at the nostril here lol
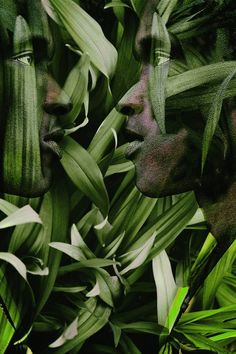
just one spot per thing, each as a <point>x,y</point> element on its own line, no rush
<point>58,109</point>
<point>129,110</point>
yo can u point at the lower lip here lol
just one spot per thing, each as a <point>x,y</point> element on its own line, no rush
<point>133,149</point>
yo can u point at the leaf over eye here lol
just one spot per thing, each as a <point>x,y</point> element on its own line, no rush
<point>159,70</point>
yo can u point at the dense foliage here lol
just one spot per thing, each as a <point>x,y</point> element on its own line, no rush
<point>93,266</point>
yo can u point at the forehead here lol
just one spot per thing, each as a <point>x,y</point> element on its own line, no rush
<point>35,16</point>
<point>144,34</point>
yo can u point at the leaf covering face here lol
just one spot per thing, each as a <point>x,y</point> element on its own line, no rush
<point>30,131</point>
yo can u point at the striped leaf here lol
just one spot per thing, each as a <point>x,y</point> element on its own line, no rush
<point>87,34</point>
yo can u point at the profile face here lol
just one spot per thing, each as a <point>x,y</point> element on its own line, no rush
<point>32,103</point>
<point>169,163</point>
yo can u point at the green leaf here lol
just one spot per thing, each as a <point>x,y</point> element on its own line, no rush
<point>159,70</point>
<point>6,331</point>
<point>101,288</point>
<point>202,342</point>
<point>15,262</point>
<point>95,291</point>
<point>199,76</point>
<point>69,333</point>
<point>116,333</point>
<point>104,135</point>
<point>214,117</point>
<point>76,87</point>
<point>138,256</point>
<point>55,215</point>
<point>23,215</point>
<point>223,313</point>
<point>90,321</point>
<point>88,263</point>
<point>72,251</point>
<point>115,3</point>
<point>165,287</point>
<point>214,279</point>
<point>128,345</point>
<point>223,336</point>
<point>175,307</point>
<point>69,290</point>
<point>6,207</point>
<point>84,173</point>
<point>87,34</point>
<point>110,249</point>
<point>165,9</point>
<point>77,240</point>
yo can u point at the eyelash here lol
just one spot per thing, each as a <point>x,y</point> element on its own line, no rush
<point>24,58</point>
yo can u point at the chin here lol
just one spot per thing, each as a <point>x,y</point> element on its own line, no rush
<point>33,191</point>
<point>149,189</point>
<point>154,188</point>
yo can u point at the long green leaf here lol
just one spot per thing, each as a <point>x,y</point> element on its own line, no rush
<point>199,76</point>
<point>76,87</point>
<point>214,117</point>
<point>165,286</point>
<point>87,34</point>
<point>90,321</point>
<point>85,174</point>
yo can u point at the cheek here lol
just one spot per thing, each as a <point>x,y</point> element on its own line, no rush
<point>166,167</point>
<point>152,170</point>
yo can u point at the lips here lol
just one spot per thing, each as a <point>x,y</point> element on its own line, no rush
<point>136,141</point>
<point>50,141</point>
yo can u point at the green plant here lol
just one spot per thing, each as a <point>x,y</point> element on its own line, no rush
<point>108,267</point>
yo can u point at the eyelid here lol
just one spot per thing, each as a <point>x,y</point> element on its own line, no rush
<point>19,57</point>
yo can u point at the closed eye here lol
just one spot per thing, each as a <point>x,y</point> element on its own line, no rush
<point>24,58</point>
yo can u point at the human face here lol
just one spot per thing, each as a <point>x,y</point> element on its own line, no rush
<point>33,101</point>
<point>167,163</point>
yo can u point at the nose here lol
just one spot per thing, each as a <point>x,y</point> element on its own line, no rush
<point>134,101</point>
<point>57,102</point>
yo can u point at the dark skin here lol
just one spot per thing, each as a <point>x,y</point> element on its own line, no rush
<point>170,163</point>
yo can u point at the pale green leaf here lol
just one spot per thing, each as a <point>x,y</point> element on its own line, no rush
<point>77,240</point>
<point>71,250</point>
<point>15,262</point>
<point>95,291</point>
<point>165,287</point>
<point>69,333</point>
<point>23,215</point>
<point>138,256</point>
<point>6,207</point>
